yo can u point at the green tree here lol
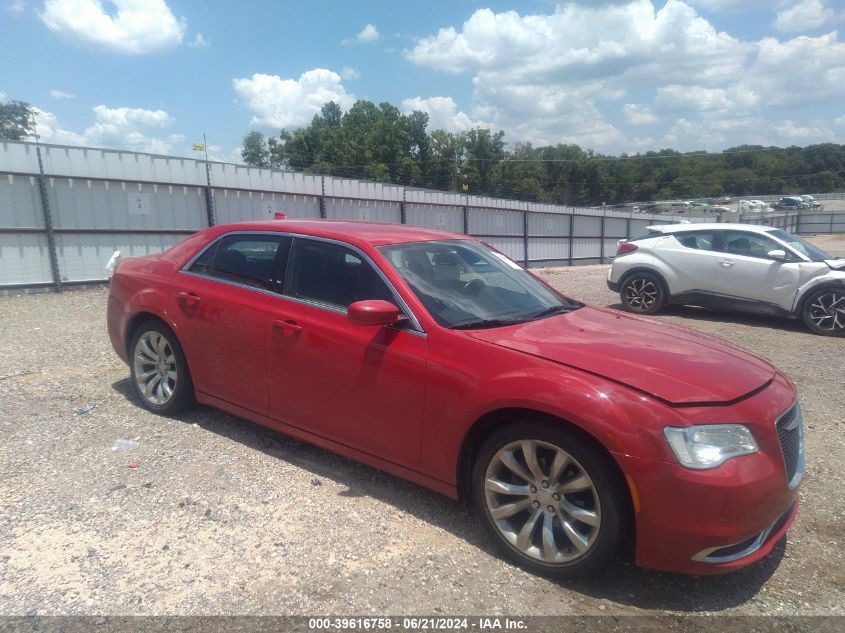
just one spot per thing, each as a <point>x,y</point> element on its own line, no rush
<point>484,152</point>
<point>16,121</point>
<point>255,151</point>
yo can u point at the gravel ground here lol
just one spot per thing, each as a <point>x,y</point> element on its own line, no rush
<point>221,516</point>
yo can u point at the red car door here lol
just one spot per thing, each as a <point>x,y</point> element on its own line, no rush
<point>226,301</point>
<point>362,386</point>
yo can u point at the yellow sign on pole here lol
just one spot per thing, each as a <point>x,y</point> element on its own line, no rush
<point>199,147</point>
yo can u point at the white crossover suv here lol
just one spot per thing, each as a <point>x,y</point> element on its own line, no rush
<point>735,266</point>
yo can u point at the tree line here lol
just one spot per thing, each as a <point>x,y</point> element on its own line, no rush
<point>378,142</point>
<point>381,143</point>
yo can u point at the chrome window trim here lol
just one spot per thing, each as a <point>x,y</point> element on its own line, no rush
<point>415,323</point>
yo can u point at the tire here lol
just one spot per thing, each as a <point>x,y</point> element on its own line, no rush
<point>643,293</point>
<point>585,522</point>
<point>824,311</point>
<point>158,369</point>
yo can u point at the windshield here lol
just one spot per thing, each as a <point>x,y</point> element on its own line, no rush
<point>802,246</point>
<point>466,285</point>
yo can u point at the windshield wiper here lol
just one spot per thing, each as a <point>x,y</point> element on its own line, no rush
<point>560,309</point>
<point>486,323</point>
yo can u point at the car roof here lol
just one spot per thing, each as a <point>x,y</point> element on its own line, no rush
<point>373,233</point>
<point>710,226</point>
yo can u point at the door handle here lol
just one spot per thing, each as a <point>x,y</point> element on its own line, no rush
<point>188,300</point>
<point>726,263</point>
<point>288,328</point>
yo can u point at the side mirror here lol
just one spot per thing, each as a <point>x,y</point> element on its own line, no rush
<point>373,312</point>
<point>777,254</point>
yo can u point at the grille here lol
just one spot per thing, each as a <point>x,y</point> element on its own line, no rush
<point>789,429</point>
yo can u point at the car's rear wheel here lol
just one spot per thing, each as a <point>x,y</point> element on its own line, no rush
<point>158,368</point>
<point>549,499</point>
<point>824,312</point>
<point>643,293</point>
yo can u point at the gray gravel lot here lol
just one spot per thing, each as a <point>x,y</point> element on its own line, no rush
<point>221,516</point>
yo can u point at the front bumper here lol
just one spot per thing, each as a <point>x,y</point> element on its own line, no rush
<point>710,521</point>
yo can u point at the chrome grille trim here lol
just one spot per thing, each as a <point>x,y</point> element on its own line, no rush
<point>710,555</point>
<point>790,431</point>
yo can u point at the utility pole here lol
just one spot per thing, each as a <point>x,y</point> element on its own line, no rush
<point>45,209</point>
<point>456,171</point>
<point>209,198</point>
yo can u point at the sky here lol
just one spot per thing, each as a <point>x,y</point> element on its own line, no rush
<point>609,75</point>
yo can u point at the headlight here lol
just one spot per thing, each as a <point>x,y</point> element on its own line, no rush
<point>709,445</point>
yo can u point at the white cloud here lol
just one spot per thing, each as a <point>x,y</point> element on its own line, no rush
<point>286,103</point>
<point>586,43</point>
<point>796,134</point>
<point>800,71</point>
<point>199,42</point>
<point>545,74</point>
<point>840,120</point>
<point>366,35</point>
<point>638,114</point>
<point>442,113</point>
<point>675,97</point>
<point>15,7</point>
<point>804,16</point>
<point>552,77</point>
<point>123,117</point>
<point>2,96</point>
<point>349,73</point>
<point>61,94</point>
<point>731,6</point>
<point>133,129</point>
<point>138,27</point>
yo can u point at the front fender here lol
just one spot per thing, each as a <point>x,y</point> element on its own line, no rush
<point>620,419</point>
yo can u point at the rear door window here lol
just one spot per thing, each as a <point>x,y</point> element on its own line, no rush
<point>332,275</point>
<point>699,240</point>
<point>251,260</point>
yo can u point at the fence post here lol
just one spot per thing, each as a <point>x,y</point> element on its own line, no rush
<point>628,228</point>
<point>525,235</point>
<point>48,222</point>
<point>602,234</point>
<point>571,237</point>
<point>466,215</point>
<point>323,197</point>
<point>209,198</point>
<point>831,223</point>
<point>403,218</point>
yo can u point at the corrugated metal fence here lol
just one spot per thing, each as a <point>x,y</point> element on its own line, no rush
<point>65,210</point>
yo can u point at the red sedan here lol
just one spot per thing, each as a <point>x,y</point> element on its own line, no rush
<point>434,357</point>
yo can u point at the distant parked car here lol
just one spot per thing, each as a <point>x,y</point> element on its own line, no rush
<point>812,202</point>
<point>736,266</point>
<point>791,203</point>
<point>753,206</point>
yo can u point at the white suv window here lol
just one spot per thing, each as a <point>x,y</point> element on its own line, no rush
<point>699,240</point>
<point>749,244</point>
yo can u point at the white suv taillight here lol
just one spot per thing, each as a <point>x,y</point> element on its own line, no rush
<point>624,248</point>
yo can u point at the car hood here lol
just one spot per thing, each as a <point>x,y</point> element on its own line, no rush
<point>836,264</point>
<point>673,364</point>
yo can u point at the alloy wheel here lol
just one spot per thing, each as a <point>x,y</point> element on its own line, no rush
<point>827,311</point>
<point>542,501</point>
<point>641,294</point>
<point>155,368</point>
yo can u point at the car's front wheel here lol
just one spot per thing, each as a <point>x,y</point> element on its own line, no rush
<point>643,293</point>
<point>158,368</point>
<point>549,499</point>
<point>824,312</point>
